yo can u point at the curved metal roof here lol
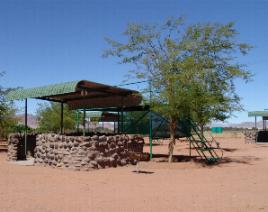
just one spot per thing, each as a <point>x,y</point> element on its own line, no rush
<point>263,113</point>
<point>38,92</point>
<point>81,94</point>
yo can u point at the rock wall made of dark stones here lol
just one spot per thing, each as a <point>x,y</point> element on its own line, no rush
<point>251,136</point>
<point>16,146</point>
<point>87,153</point>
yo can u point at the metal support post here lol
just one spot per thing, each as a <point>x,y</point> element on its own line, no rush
<point>150,123</point>
<point>118,121</point>
<point>77,120</point>
<point>122,121</point>
<point>255,122</point>
<point>84,122</point>
<point>190,147</point>
<point>26,128</point>
<point>61,119</point>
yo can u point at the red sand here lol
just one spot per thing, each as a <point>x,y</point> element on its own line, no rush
<point>240,183</point>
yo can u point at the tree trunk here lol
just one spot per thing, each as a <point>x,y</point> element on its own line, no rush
<point>202,129</point>
<point>173,123</point>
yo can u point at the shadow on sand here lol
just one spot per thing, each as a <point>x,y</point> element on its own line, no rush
<point>247,160</point>
<point>153,144</point>
<point>176,158</point>
<point>229,149</point>
<point>142,172</point>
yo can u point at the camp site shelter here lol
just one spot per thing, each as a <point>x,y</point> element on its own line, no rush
<point>261,135</point>
<point>81,95</point>
<point>86,96</point>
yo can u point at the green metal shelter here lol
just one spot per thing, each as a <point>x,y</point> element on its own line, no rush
<point>261,136</point>
<point>79,95</point>
<point>83,95</point>
<point>263,114</point>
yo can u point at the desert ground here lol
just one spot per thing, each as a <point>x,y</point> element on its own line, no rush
<point>238,183</point>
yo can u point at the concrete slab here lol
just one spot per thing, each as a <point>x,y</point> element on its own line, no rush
<point>28,162</point>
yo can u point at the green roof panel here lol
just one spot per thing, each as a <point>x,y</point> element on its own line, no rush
<point>38,92</point>
<point>258,113</point>
<point>80,95</point>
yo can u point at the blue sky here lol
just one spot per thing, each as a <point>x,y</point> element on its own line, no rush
<point>51,41</point>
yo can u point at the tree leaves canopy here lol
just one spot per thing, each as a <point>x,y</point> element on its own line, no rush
<point>192,68</point>
<point>7,113</point>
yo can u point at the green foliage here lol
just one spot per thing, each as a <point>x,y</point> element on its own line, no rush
<point>20,128</point>
<point>49,118</point>
<point>7,119</point>
<point>192,68</point>
<point>213,49</point>
<point>7,113</point>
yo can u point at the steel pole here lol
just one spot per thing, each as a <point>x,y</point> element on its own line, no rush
<point>77,120</point>
<point>61,119</point>
<point>122,121</point>
<point>190,147</point>
<point>84,122</point>
<point>255,122</point>
<point>118,121</point>
<point>150,123</point>
<point>26,128</point>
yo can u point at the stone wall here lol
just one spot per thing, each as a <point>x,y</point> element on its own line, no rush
<point>86,153</point>
<point>250,136</point>
<point>16,146</point>
<point>12,149</point>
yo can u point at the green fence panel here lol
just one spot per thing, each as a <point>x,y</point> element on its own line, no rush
<point>138,123</point>
<point>217,130</point>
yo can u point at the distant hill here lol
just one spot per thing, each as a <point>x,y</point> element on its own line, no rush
<point>33,123</point>
<point>31,120</point>
<point>245,125</point>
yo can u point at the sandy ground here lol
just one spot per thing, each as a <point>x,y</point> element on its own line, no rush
<point>239,183</point>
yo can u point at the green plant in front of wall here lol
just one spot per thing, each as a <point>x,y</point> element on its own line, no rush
<point>49,118</point>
